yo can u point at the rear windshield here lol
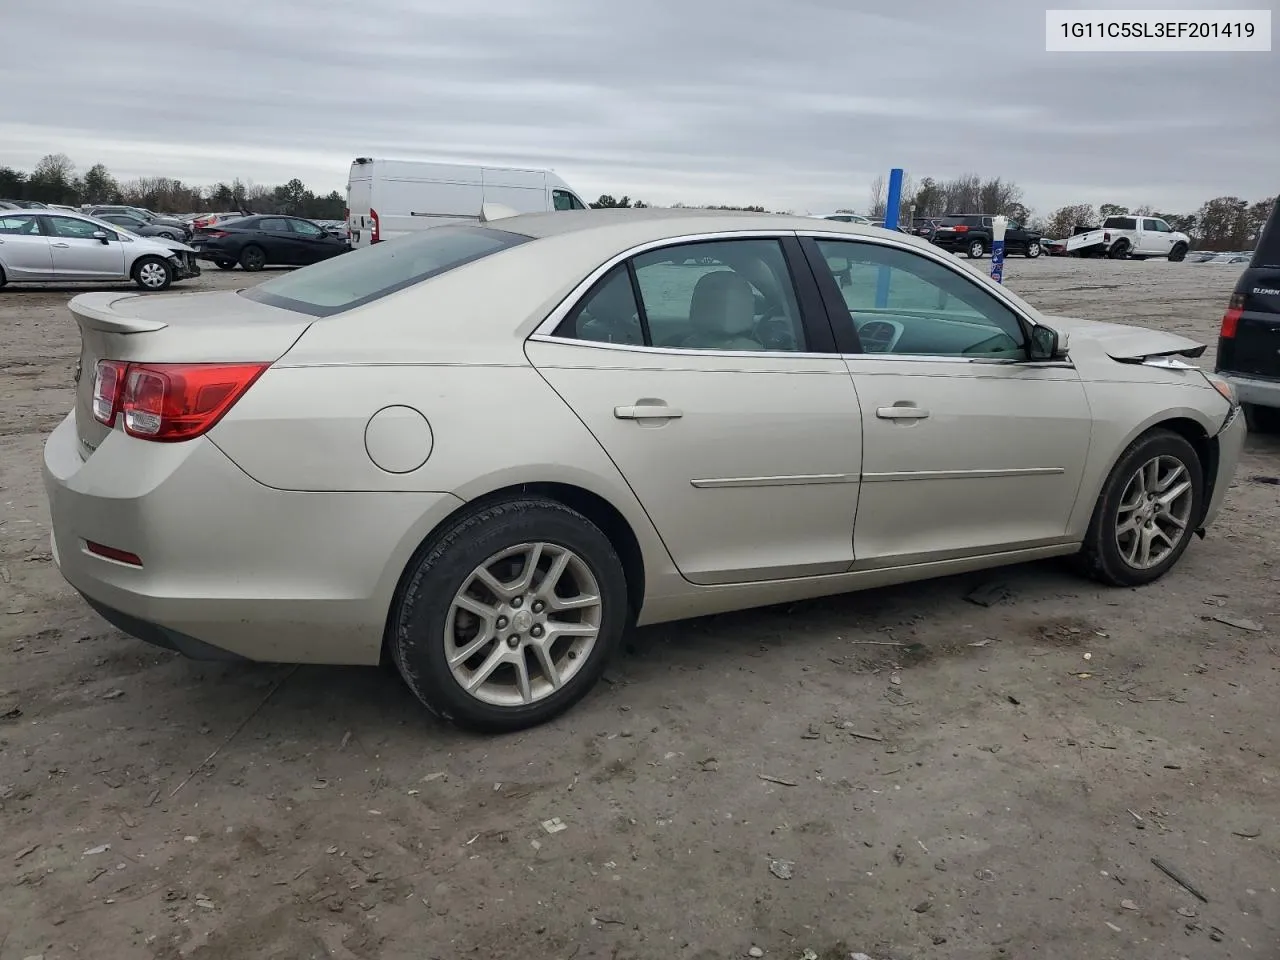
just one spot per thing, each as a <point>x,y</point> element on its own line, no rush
<point>1267,253</point>
<point>352,279</point>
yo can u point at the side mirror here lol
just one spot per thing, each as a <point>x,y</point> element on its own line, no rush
<point>1047,345</point>
<point>100,235</point>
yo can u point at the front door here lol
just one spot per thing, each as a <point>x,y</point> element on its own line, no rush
<point>78,255</point>
<point>24,250</point>
<point>968,449</point>
<point>313,244</point>
<point>1157,238</point>
<point>721,404</point>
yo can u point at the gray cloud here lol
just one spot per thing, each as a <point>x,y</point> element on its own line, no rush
<point>795,104</point>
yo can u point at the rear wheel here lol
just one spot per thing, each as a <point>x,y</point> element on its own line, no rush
<point>152,273</point>
<point>253,258</point>
<point>1258,419</point>
<point>1145,515</point>
<point>1119,250</point>
<point>1178,253</point>
<point>975,250</point>
<point>509,617</point>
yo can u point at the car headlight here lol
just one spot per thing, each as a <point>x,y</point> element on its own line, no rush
<point>1223,386</point>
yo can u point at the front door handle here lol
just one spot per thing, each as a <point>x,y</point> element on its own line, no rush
<point>902,413</point>
<point>647,411</point>
<point>62,245</point>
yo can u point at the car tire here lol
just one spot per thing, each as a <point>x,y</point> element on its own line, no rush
<point>1033,251</point>
<point>226,264</point>
<point>975,250</point>
<point>152,274</point>
<point>1178,253</point>
<point>253,258</point>
<point>1257,419</point>
<point>1112,555</point>
<point>3,278</point>
<point>1119,250</point>
<point>434,617</point>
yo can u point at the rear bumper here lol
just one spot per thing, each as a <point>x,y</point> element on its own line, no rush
<point>1263,393</point>
<point>231,568</point>
<point>1230,444</point>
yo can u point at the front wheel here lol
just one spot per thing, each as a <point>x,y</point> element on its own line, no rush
<point>510,616</point>
<point>152,273</point>
<point>1146,513</point>
<point>1033,250</point>
<point>975,250</point>
<point>1178,253</point>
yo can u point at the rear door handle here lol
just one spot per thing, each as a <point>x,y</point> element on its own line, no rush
<point>647,411</point>
<point>901,413</point>
<point>63,245</point>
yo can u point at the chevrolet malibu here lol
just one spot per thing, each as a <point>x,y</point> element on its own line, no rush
<point>483,451</point>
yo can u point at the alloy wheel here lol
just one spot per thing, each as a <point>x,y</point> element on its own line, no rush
<point>1154,512</point>
<point>523,624</point>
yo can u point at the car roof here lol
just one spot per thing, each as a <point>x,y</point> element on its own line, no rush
<point>654,223</point>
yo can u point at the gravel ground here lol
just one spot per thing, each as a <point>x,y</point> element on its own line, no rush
<point>778,779</point>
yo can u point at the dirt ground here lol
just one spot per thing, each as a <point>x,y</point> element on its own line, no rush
<point>779,780</point>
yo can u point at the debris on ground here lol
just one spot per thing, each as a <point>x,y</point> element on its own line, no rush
<point>1240,623</point>
<point>782,869</point>
<point>94,851</point>
<point>1251,833</point>
<point>554,825</point>
<point>25,852</point>
<point>1128,905</point>
<point>990,593</point>
<point>113,694</point>
<point>1177,878</point>
<point>780,780</point>
<point>755,952</point>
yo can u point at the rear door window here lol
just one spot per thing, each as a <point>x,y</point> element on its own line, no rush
<point>353,279</point>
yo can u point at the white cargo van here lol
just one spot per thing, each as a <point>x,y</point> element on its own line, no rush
<point>389,198</point>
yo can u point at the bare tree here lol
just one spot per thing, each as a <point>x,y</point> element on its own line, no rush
<point>877,198</point>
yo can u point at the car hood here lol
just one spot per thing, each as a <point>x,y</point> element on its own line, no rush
<point>174,245</point>
<point>1121,341</point>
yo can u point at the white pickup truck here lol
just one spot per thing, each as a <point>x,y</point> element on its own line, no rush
<point>1129,238</point>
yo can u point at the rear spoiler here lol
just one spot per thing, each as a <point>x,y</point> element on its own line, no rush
<point>94,311</point>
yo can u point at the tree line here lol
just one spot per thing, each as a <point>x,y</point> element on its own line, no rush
<point>55,180</point>
<point>1223,223</point>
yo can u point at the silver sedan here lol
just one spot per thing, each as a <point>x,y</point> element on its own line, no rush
<point>484,451</point>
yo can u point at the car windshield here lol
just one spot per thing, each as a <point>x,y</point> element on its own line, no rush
<point>361,276</point>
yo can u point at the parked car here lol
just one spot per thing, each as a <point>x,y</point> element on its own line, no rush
<point>1053,248</point>
<point>6,205</point>
<point>136,225</point>
<point>1200,256</point>
<point>28,204</point>
<point>849,218</point>
<point>1249,339</point>
<point>1228,258</point>
<point>971,234</point>
<point>305,480</point>
<point>212,219</point>
<point>143,214</point>
<point>924,226</point>
<point>42,246</point>
<point>260,241</point>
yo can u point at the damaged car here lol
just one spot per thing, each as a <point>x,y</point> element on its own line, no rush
<point>46,246</point>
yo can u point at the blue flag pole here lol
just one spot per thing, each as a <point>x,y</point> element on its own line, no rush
<point>892,204</point>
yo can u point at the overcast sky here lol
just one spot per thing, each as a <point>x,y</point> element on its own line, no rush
<point>795,104</point>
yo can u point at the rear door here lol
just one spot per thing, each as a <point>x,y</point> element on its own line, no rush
<point>706,373</point>
<point>78,255</point>
<point>24,250</point>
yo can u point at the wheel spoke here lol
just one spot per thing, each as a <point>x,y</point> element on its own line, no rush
<point>1144,547</point>
<point>472,605</point>
<point>485,670</point>
<point>525,580</point>
<point>471,649</point>
<point>495,586</point>
<point>1127,526</point>
<point>1172,477</point>
<point>1169,518</point>
<point>547,588</point>
<point>1167,498</point>
<point>1130,550</point>
<point>556,630</point>
<point>521,663</point>
<point>583,602</point>
<point>542,650</point>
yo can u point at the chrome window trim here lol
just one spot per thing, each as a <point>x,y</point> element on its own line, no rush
<point>544,332</point>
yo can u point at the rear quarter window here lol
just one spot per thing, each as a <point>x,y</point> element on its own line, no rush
<point>353,279</point>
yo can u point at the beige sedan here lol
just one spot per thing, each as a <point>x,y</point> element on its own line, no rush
<point>484,451</point>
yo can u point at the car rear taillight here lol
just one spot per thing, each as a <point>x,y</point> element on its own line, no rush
<point>169,402</point>
<point>108,381</point>
<point>1230,319</point>
<point>961,229</point>
<point>113,553</point>
<point>214,234</point>
<point>375,232</point>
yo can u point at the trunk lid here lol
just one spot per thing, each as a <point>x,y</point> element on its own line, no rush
<point>178,328</point>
